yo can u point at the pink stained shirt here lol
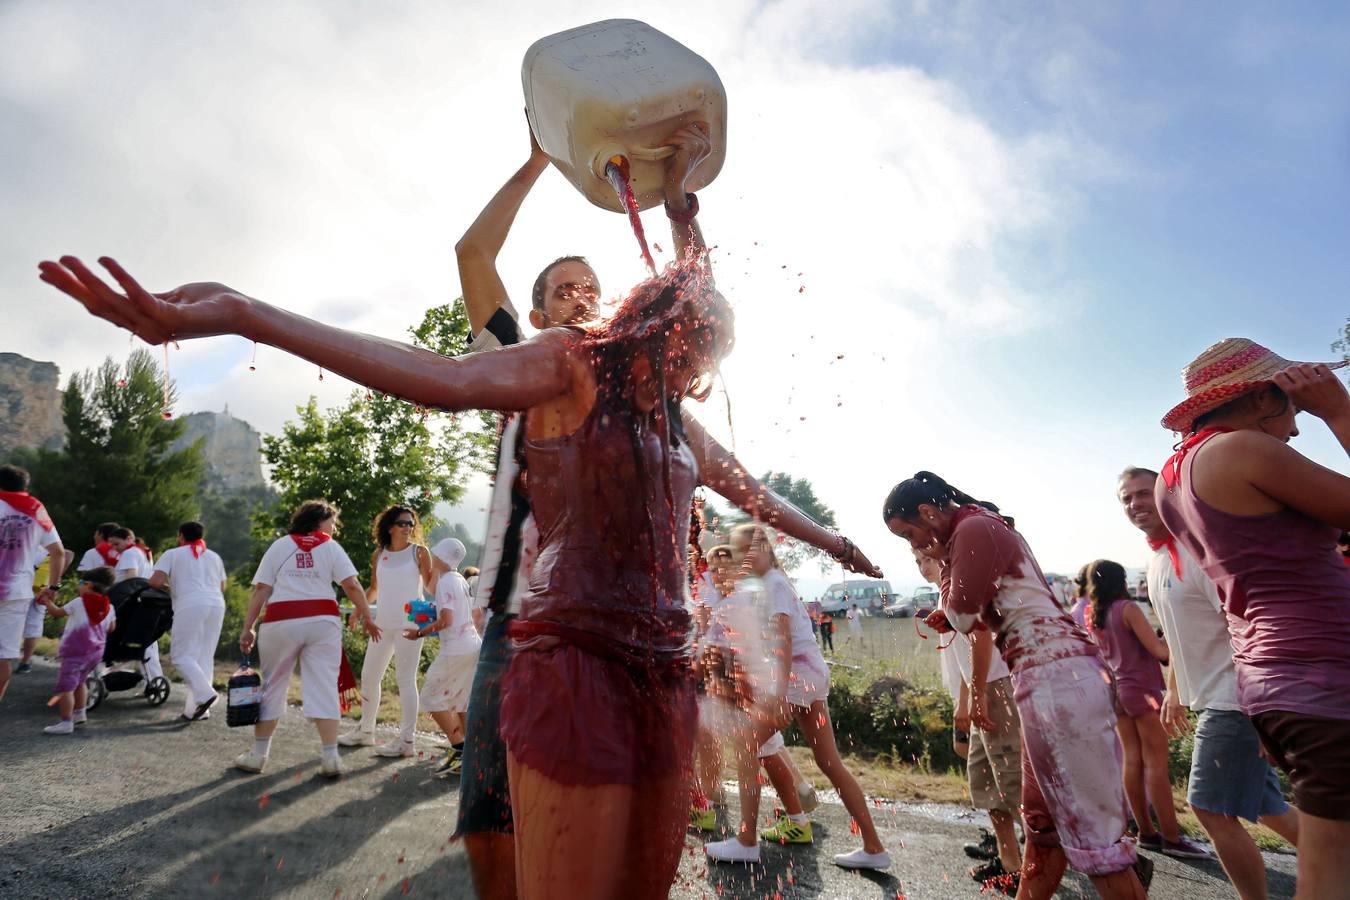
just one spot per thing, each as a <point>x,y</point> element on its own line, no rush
<point>991,576</point>
<point>1287,596</point>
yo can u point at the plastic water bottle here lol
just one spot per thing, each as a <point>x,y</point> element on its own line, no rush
<point>617,89</point>
<point>244,700</point>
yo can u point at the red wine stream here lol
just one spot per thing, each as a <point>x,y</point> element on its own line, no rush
<point>617,173</point>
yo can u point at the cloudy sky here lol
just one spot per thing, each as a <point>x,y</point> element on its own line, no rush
<point>1013,223</point>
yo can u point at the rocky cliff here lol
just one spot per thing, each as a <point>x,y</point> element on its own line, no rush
<point>30,403</point>
<point>233,450</point>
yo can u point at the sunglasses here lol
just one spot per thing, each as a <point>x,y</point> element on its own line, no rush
<point>403,524</point>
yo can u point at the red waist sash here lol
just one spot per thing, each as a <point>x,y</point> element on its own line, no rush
<point>300,609</point>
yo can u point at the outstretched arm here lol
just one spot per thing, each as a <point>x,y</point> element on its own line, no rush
<point>511,379</point>
<point>723,473</point>
<point>476,252</point>
<point>691,148</point>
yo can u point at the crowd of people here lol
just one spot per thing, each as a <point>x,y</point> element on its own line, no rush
<point>603,691</point>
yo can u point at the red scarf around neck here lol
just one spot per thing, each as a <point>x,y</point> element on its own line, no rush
<point>198,547</point>
<point>30,506</point>
<point>96,607</point>
<point>106,551</point>
<point>1171,472</point>
<point>309,541</point>
<point>1171,544</point>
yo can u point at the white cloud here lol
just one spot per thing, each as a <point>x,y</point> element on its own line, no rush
<point>326,159</point>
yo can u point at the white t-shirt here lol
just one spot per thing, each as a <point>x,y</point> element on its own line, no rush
<point>854,616</point>
<point>783,600</point>
<point>193,581</point>
<point>960,650</point>
<point>21,540</point>
<point>296,574</point>
<point>1196,629</point>
<point>78,618</point>
<point>452,593</point>
<point>92,559</point>
<point>133,558</point>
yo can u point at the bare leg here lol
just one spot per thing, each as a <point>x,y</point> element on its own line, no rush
<point>1323,865</point>
<point>448,724</point>
<point>1008,852</point>
<point>708,765</point>
<point>652,856</point>
<point>328,730</point>
<point>1153,752</point>
<point>567,835</point>
<point>1119,886</point>
<point>492,862</point>
<point>81,696</point>
<point>265,728</point>
<point>1237,853</point>
<point>5,672</point>
<point>1133,774</point>
<point>1042,871</point>
<point>819,733</point>
<point>780,776</point>
<point>66,705</point>
<point>26,654</point>
<point>747,742</point>
<point>1285,825</point>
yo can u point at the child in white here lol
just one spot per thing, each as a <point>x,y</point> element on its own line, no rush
<point>445,692</point>
<point>133,563</point>
<point>196,579</point>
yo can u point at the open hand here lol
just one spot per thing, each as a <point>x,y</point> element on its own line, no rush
<point>373,631</point>
<point>979,710</point>
<point>937,620</point>
<point>1175,722</point>
<point>193,310</point>
<point>1315,389</point>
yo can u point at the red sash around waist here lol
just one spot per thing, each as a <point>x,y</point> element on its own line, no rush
<point>300,609</point>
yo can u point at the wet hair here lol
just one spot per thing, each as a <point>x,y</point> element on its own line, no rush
<point>383,526</point>
<point>1135,472</point>
<point>1237,402</point>
<point>105,530</point>
<point>537,293</point>
<point>121,532</point>
<point>308,516</point>
<point>905,498</point>
<point>749,532</point>
<point>102,578</point>
<point>192,531</point>
<point>13,478</point>
<point>1106,585</point>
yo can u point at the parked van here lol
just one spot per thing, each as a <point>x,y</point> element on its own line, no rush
<point>867,593</point>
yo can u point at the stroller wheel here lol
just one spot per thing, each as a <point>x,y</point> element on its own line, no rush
<point>157,691</point>
<point>97,690</point>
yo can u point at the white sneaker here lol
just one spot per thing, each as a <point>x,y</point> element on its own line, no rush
<point>357,738</point>
<point>250,761</point>
<point>330,766</point>
<point>861,859</point>
<point>80,717</point>
<point>395,748</point>
<point>731,850</point>
<point>65,726</point>
<point>806,795</point>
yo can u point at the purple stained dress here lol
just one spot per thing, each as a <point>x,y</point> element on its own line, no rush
<point>1138,675</point>
<point>600,690</point>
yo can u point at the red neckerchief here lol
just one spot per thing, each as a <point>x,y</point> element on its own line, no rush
<point>1171,472</point>
<point>309,541</point>
<point>106,551</point>
<point>30,506</point>
<point>198,547</point>
<point>1171,544</point>
<point>96,607</point>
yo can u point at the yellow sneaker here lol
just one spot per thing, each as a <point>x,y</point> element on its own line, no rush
<point>703,819</point>
<point>786,831</point>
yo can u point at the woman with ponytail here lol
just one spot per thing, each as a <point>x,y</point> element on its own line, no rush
<point>1073,801</point>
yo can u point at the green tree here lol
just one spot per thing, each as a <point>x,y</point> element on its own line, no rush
<point>1342,344</point>
<point>116,465</point>
<point>791,553</point>
<point>376,450</point>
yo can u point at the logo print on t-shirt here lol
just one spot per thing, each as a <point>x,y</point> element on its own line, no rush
<point>304,560</point>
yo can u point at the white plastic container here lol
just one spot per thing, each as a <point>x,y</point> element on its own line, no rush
<point>620,88</point>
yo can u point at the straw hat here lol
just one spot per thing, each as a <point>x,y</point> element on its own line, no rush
<point>1226,371</point>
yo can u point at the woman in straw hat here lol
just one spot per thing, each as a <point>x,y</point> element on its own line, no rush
<point>1262,521</point>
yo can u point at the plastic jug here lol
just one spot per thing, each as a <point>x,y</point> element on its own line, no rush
<point>243,697</point>
<point>618,88</point>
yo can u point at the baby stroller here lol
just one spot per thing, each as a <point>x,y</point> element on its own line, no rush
<point>144,615</point>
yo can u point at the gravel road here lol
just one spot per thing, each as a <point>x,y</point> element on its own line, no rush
<point>137,804</point>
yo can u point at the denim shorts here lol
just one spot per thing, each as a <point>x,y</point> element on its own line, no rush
<point>1229,776</point>
<point>484,796</point>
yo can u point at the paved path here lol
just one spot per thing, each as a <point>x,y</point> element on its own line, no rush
<point>136,805</point>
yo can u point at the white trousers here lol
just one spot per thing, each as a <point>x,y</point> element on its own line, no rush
<point>407,657</point>
<point>316,643</point>
<point>152,667</point>
<point>196,631</point>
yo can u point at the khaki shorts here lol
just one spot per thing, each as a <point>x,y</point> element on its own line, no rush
<point>995,761</point>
